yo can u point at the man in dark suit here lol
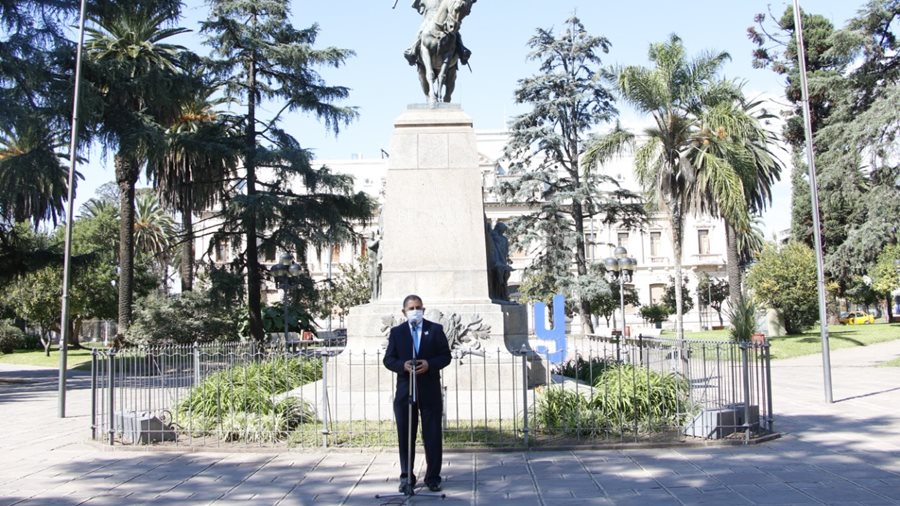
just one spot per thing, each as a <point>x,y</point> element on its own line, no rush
<point>418,345</point>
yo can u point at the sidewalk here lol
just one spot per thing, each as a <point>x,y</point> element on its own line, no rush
<point>847,452</point>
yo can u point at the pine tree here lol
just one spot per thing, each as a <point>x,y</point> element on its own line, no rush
<point>568,100</point>
<point>263,58</point>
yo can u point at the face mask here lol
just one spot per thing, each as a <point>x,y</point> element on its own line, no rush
<point>415,316</point>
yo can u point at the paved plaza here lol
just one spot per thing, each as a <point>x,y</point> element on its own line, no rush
<point>847,452</point>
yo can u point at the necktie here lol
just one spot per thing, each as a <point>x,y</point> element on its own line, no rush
<point>415,335</point>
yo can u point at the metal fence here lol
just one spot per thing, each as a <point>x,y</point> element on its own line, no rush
<point>607,390</point>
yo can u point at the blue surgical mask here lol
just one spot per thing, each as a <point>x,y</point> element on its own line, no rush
<point>415,316</point>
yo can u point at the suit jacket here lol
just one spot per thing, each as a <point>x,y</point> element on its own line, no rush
<point>433,347</point>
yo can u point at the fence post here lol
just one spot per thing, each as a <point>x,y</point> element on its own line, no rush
<point>524,353</point>
<point>196,353</point>
<point>768,364</point>
<point>745,366</point>
<point>641,347</point>
<point>111,366</point>
<point>94,394</point>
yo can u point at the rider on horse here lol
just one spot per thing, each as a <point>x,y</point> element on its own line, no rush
<point>412,53</point>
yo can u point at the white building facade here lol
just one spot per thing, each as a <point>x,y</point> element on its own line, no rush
<point>703,240</point>
<point>703,250</point>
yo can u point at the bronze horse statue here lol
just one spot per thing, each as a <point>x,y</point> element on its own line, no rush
<point>438,58</point>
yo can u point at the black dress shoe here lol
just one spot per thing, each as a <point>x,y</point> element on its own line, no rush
<point>404,483</point>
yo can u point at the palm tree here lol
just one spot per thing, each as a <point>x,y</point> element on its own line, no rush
<point>134,75</point>
<point>744,145</point>
<point>154,232</point>
<point>201,149</point>
<point>33,179</point>
<point>676,92</point>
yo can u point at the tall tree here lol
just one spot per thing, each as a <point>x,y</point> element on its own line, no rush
<point>133,72</point>
<point>743,150</point>
<point>676,93</point>
<point>264,58</point>
<point>33,179</point>
<point>568,99</point>
<point>202,149</point>
<point>37,61</point>
<point>154,234</point>
<point>864,162</point>
<point>854,75</point>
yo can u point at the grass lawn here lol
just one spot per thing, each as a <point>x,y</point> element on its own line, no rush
<point>74,358</point>
<point>809,342</point>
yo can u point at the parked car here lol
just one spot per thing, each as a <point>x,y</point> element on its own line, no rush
<point>856,318</point>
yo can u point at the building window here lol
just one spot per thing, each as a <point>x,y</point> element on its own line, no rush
<point>623,239</point>
<point>220,252</point>
<point>268,252</point>
<point>335,254</point>
<point>655,238</point>
<point>703,241</point>
<point>589,245</point>
<point>657,292</point>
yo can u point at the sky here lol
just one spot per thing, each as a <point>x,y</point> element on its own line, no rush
<point>497,31</point>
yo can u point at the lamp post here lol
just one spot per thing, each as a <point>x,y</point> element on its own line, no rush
<point>287,277</point>
<point>621,267</point>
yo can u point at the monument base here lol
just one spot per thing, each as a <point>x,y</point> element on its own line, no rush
<point>469,326</point>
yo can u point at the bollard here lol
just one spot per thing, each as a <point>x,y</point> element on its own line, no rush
<point>770,421</point>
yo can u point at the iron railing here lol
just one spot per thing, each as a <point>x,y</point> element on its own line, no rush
<point>609,390</point>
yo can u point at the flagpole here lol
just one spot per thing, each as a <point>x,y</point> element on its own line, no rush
<point>814,196</point>
<point>70,218</point>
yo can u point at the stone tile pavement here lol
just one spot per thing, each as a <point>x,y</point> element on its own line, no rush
<point>846,452</point>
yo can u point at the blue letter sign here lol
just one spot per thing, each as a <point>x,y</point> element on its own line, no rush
<point>551,343</point>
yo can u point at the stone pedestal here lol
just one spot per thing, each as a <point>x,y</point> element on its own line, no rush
<point>433,239</point>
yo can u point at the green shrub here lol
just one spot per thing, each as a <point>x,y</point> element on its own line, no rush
<point>247,403</point>
<point>32,342</point>
<point>567,412</point>
<point>624,398</point>
<point>742,317</point>
<point>640,397</point>
<point>11,337</point>
<point>655,313</point>
<point>184,319</point>
<point>585,370</point>
<point>784,278</point>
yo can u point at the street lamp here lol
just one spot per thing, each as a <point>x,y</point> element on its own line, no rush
<point>287,277</point>
<point>621,267</point>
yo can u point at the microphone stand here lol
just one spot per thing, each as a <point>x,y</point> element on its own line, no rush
<point>409,490</point>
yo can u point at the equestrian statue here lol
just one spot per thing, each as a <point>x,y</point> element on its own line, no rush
<point>438,49</point>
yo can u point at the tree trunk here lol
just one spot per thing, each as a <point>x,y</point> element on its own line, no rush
<point>733,265</point>
<point>584,306</point>
<point>46,340</point>
<point>677,222</point>
<point>74,342</point>
<point>126,178</point>
<point>187,249</point>
<point>254,280</point>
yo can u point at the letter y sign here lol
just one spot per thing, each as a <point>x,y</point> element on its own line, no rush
<point>551,343</point>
